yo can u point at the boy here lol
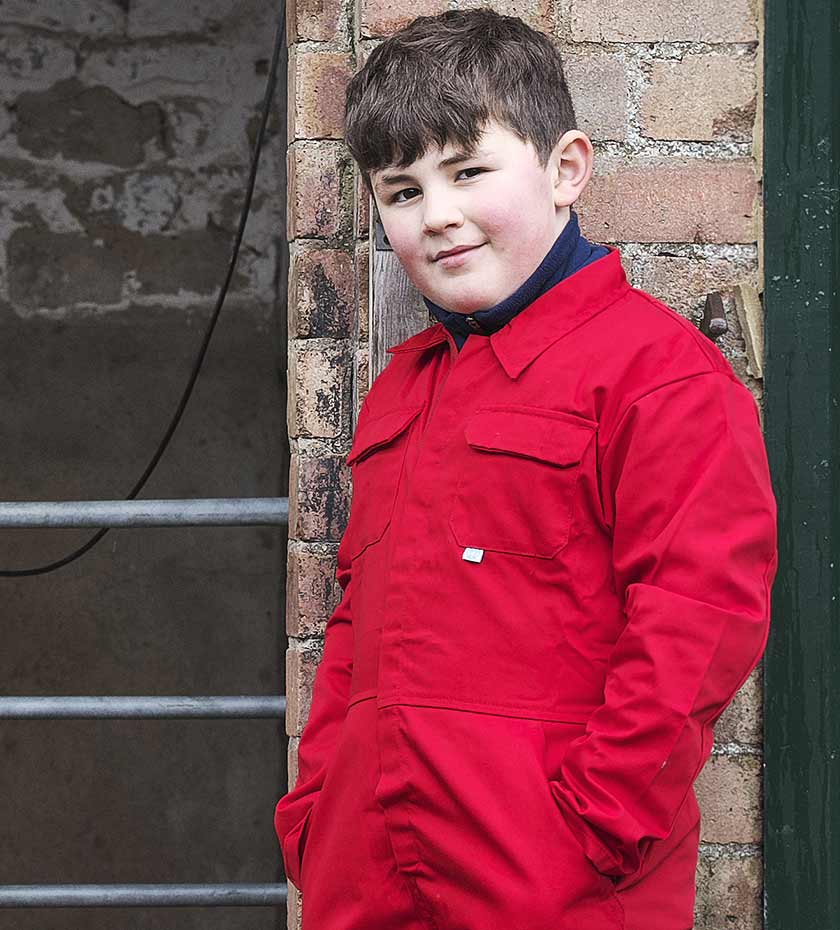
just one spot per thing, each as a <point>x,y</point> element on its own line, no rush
<point>557,568</point>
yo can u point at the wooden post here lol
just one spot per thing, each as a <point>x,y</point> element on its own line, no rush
<point>397,310</point>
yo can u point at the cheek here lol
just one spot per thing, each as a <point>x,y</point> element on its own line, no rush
<point>403,243</point>
<point>504,227</point>
<point>494,217</point>
<point>412,258</point>
<point>504,217</point>
<point>395,227</point>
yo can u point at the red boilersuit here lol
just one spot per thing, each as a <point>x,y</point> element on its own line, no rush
<point>511,742</point>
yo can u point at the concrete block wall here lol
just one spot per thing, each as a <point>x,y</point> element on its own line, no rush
<point>668,93</point>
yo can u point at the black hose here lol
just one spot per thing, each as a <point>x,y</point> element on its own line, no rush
<point>176,419</point>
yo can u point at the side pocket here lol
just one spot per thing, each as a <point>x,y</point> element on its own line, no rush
<point>606,883</point>
<point>566,818</point>
<point>556,739</point>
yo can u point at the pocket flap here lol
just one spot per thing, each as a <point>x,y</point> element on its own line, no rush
<point>381,430</point>
<point>547,435</point>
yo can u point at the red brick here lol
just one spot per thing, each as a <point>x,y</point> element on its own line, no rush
<point>729,793</point>
<point>318,401</point>
<point>301,665</point>
<point>321,293</point>
<point>702,97</point>
<point>319,498</point>
<point>314,205</point>
<point>364,49</point>
<point>674,200</point>
<point>317,81</point>
<point>292,760</point>
<point>317,20</point>
<point>294,908</point>
<point>312,591</point>
<point>382,17</point>
<point>362,290</point>
<point>729,893</point>
<point>599,88</point>
<point>362,209</point>
<point>679,20</point>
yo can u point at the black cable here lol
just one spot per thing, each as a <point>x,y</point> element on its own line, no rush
<point>269,94</point>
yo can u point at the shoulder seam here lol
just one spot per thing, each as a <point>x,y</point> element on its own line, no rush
<point>699,339</point>
<point>635,400</point>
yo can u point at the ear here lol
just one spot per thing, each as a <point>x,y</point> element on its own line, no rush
<point>571,163</point>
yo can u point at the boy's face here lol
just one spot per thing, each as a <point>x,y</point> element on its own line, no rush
<point>499,206</point>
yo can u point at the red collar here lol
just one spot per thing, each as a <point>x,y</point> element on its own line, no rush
<point>550,317</point>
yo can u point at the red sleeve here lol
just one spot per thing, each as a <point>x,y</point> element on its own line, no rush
<point>686,491</point>
<point>330,695</point>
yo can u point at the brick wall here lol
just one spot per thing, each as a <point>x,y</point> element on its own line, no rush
<point>668,94</point>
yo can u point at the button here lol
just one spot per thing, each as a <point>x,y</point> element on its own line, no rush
<point>473,324</point>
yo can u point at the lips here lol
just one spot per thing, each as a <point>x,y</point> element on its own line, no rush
<point>456,251</point>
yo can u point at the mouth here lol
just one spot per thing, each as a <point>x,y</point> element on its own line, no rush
<point>458,250</point>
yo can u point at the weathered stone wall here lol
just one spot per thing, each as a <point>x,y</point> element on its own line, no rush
<point>126,129</point>
<point>668,93</point>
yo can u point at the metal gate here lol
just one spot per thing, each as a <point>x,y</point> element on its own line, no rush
<point>271,511</point>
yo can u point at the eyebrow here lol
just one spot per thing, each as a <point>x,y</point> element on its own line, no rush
<point>389,180</point>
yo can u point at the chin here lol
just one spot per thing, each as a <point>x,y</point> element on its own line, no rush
<point>458,303</point>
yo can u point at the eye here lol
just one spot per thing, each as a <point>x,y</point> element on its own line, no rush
<point>476,171</point>
<point>398,197</point>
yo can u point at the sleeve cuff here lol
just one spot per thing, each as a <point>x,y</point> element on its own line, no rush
<point>292,847</point>
<point>593,847</point>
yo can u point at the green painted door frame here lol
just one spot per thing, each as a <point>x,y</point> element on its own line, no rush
<point>802,428</point>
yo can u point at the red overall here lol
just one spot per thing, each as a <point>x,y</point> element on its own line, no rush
<point>556,575</point>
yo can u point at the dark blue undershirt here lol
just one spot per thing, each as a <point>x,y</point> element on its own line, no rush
<point>569,254</point>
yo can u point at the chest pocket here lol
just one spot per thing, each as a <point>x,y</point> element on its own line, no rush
<point>376,459</point>
<point>518,478</point>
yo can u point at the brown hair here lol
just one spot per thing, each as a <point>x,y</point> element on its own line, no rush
<point>441,78</point>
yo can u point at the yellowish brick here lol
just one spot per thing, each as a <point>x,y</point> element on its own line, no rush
<point>301,666</point>
<point>675,21</point>
<point>311,590</point>
<point>741,721</point>
<point>684,282</point>
<point>729,894</point>
<point>729,794</point>
<point>599,88</point>
<point>701,97</point>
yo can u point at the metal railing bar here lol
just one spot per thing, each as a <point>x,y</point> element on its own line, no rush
<point>224,511</point>
<point>240,895</point>
<point>140,708</point>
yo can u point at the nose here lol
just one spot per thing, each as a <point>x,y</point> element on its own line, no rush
<point>440,211</point>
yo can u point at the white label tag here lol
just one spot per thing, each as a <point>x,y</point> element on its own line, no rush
<point>472,555</point>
